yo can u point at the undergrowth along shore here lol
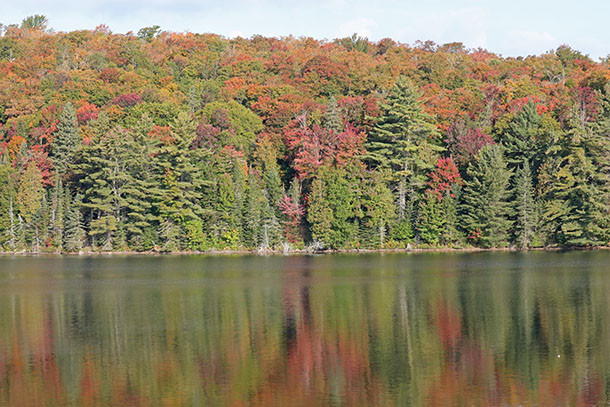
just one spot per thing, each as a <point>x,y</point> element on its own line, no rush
<point>309,252</point>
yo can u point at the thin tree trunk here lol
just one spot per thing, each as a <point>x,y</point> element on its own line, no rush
<point>11,215</point>
<point>402,198</point>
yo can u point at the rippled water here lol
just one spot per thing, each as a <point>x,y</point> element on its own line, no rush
<point>429,329</point>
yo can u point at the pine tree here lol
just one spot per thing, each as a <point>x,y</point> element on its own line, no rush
<point>240,190</point>
<point>224,207</point>
<point>273,183</point>
<point>573,191</point>
<point>7,199</point>
<point>319,213</point>
<point>526,138</point>
<point>525,207</point>
<point>450,235</point>
<point>379,207</point>
<point>334,201</point>
<point>20,234</point>
<point>40,224</point>
<point>181,177</point>
<point>30,192</point>
<point>170,234</point>
<point>405,141</point>
<point>74,233</point>
<point>101,168</point>
<point>598,145</point>
<point>57,212</point>
<point>271,231</point>
<point>431,219</point>
<point>142,190</point>
<point>66,139</point>
<point>484,208</point>
<point>332,116</point>
<point>252,222</point>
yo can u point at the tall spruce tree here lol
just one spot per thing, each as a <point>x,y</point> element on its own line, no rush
<point>573,191</point>
<point>485,209</point>
<point>334,202</point>
<point>525,208</point>
<point>450,235</point>
<point>254,204</point>
<point>271,230</point>
<point>102,171</point>
<point>598,145</point>
<point>66,139</point>
<point>181,176</point>
<point>431,219</point>
<point>142,191</point>
<point>7,202</point>
<point>332,116</point>
<point>526,138</point>
<point>57,213</point>
<point>74,232</point>
<point>379,207</point>
<point>404,140</point>
<point>30,192</point>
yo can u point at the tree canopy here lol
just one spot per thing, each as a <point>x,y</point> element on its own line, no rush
<point>184,141</point>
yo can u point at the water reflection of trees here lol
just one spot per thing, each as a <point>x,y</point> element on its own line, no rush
<point>311,336</point>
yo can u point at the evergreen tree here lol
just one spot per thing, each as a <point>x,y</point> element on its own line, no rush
<point>142,190</point>
<point>431,219</point>
<point>450,235</point>
<point>266,155</point>
<point>332,116</point>
<point>66,139</point>
<point>525,208</point>
<point>334,202</point>
<point>271,231</point>
<point>273,182</point>
<point>7,201</point>
<point>30,192</point>
<point>225,224</point>
<point>39,226</point>
<point>102,170</point>
<point>180,176</point>
<point>526,138</point>
<point>74,233</point>
<point>405,141</point>
<point>598,144</point>
<point>57,211</point>
<point>254,203</point>
<point>20,234</point>
<point>379,207</point>
<point>573,191</point>
<point>170,234</point>
<point>240,190</point>
<point>484,208</point>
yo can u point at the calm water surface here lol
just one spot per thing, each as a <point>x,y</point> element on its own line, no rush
<point>497,329</point>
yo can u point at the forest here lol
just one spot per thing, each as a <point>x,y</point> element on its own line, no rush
<point>164,141</point>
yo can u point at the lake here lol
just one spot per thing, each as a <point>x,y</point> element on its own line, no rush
<point>467,329</point>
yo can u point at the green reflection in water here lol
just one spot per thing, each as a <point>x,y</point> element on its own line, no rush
<point>434,329</point>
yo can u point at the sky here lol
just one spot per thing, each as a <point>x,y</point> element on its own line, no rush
<point>509,27</point>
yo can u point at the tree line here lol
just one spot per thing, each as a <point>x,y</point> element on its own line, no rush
<point>169,142</point>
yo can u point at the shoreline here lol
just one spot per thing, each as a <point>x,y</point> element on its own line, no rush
<point>303,251</point>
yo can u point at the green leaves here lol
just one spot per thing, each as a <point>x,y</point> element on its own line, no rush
<point>485,206</point>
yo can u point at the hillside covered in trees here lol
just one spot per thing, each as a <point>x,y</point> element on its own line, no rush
<point>179,141</point>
